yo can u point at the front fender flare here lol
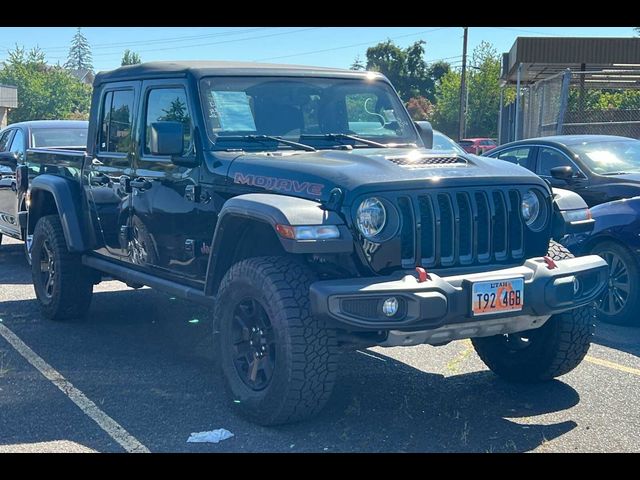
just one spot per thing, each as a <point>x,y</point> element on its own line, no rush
<point>68,198</point>
<point>273,210</point>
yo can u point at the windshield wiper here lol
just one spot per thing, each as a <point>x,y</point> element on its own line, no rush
<point>262,138</point>
<point>618,173</point>
<point>345,136</point>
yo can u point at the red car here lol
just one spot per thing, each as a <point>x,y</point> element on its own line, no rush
<point>477,146</point>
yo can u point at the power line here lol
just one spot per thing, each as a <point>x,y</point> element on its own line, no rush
<point>528,31</point>
<point>166,40</point>
<point>106,54</point>
<point>348,46</point>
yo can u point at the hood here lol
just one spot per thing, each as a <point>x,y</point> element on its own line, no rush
<point>627,177</point>
<point>314,174</point>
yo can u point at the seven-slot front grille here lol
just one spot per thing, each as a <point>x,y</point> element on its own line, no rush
<point>461,227</point>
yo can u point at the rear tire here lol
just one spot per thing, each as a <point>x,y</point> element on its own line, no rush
<point>279,363</point>
<point>543,353</point>
<point>63,285</point>
<point>620,302</point>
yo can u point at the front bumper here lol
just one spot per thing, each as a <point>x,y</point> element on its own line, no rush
<point>444,301</point>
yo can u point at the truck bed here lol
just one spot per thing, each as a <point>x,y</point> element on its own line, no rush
<point>56,161</point>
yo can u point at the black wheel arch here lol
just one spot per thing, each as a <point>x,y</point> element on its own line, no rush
<point>54,195</point>
<point>246,227</point>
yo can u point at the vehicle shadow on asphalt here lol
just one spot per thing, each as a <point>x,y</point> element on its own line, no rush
<point>13,265</point>
<point>146,358</point>
<point>626,339</point>
<point>400,408</point>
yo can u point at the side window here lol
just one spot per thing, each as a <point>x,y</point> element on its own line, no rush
<point>115,133</point>
<point>4,140</point>
<point>549,158</point>
<point>17,144</point>
<point>168,105</point>
<point>519,156</point>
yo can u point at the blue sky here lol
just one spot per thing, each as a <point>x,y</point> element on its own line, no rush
<point>322,46</point>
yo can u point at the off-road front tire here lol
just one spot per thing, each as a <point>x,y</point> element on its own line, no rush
<point>63,285</point>
<point>543,353</point>
<point>262,315</point>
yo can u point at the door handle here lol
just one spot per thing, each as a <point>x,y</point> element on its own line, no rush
<point>96,163</point>
<point>141,183</point>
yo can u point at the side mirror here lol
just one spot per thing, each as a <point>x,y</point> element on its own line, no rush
<point>9,159</point>
<point>562,173</point>
<point>425,130</point>
<point>166,138</point>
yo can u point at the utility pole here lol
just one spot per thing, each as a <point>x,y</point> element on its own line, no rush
<point>463,88</point>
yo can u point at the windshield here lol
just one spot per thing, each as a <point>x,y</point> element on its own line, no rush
<point>610,157</point>
<point>303,110</point>
<point>58,137</point>
<point>442,142</point>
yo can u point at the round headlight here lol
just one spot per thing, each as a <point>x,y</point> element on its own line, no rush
<point>530,207</point>
<point>371,217</point>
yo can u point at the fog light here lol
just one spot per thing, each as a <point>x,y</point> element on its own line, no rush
<point>390,306</point>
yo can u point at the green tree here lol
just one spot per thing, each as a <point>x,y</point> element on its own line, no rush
<point>405,68</point>
<point>483,82</point>
<point>44,91</point>
<point>79,53</point>
<point>484,92</point>
<point>130,58</point>
<point>445,115</point>
<point>358,64</point>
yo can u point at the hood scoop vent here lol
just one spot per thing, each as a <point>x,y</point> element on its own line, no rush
<point>426,161</point>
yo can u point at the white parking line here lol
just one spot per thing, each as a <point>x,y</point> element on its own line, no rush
<point>104,421</point>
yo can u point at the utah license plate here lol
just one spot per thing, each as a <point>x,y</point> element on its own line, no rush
<point>497,296</point>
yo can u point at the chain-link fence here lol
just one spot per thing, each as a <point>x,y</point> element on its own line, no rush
<point>543,106</point>
<point>605,102</point>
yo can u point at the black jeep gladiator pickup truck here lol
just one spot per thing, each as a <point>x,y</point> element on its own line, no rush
<point>307,209</point>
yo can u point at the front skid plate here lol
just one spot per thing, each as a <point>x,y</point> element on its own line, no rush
<point>459,331</point>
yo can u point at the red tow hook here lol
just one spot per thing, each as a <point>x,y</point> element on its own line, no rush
<point>423,276</point>
<point>551,264</point>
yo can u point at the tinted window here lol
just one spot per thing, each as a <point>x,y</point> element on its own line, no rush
<point>610,157</point>
<point>519,156</point>
<point>303,109</point>
<point>168,105</point>
<point>4,140</point>
<point>58,137</point>
<point>17,144</point>
<point>115,135</point>
<point>465,143</point>
<point>549,158</point>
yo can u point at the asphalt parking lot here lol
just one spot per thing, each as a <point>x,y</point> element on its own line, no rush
<point>138,376</point>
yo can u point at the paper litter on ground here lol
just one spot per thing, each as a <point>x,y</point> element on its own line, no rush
<point>213,436</point>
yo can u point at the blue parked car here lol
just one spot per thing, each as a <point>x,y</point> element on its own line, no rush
<point>616,238</point>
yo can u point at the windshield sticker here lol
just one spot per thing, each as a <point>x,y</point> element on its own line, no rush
<point>232,111</point>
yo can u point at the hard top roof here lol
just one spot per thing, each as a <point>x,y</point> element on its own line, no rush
<point>200,69</point>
